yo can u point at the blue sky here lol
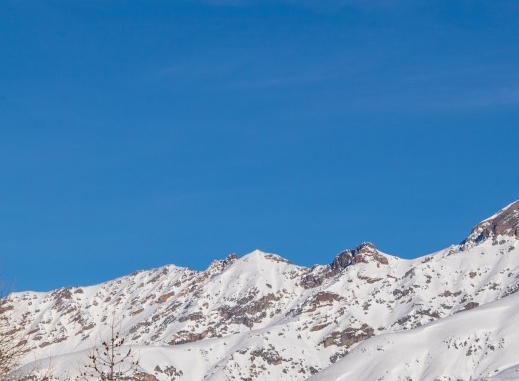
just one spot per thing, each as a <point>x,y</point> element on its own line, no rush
<point>139,133</point>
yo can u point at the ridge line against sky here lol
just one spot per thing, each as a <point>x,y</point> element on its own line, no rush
<point>136,134</point>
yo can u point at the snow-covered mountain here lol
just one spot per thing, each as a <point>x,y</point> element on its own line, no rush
<point>365,316</point>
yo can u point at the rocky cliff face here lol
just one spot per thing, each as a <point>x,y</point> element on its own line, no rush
<point>261,317</point>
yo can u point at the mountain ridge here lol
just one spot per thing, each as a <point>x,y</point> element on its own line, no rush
<point>261,317</point>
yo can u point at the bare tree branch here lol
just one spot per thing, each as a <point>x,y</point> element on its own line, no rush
<point>12,345</point>
<point>110,361</point>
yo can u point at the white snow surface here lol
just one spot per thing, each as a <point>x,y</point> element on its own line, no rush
<point>479,344</point>
<point>450,315</point>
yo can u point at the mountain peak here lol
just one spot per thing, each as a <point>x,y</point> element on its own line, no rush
<point>259,255</point>
<point>365,252</point>
<point>503,223</point>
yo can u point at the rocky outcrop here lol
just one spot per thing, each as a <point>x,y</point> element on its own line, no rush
<point>503,223</point>
<point>349,336</point>
<point>364,253</point>
<point>219,265</point>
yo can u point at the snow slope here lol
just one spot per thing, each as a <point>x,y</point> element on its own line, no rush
<point>480,344</point>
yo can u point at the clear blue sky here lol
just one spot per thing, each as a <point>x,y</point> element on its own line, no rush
<point>135,134</point>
